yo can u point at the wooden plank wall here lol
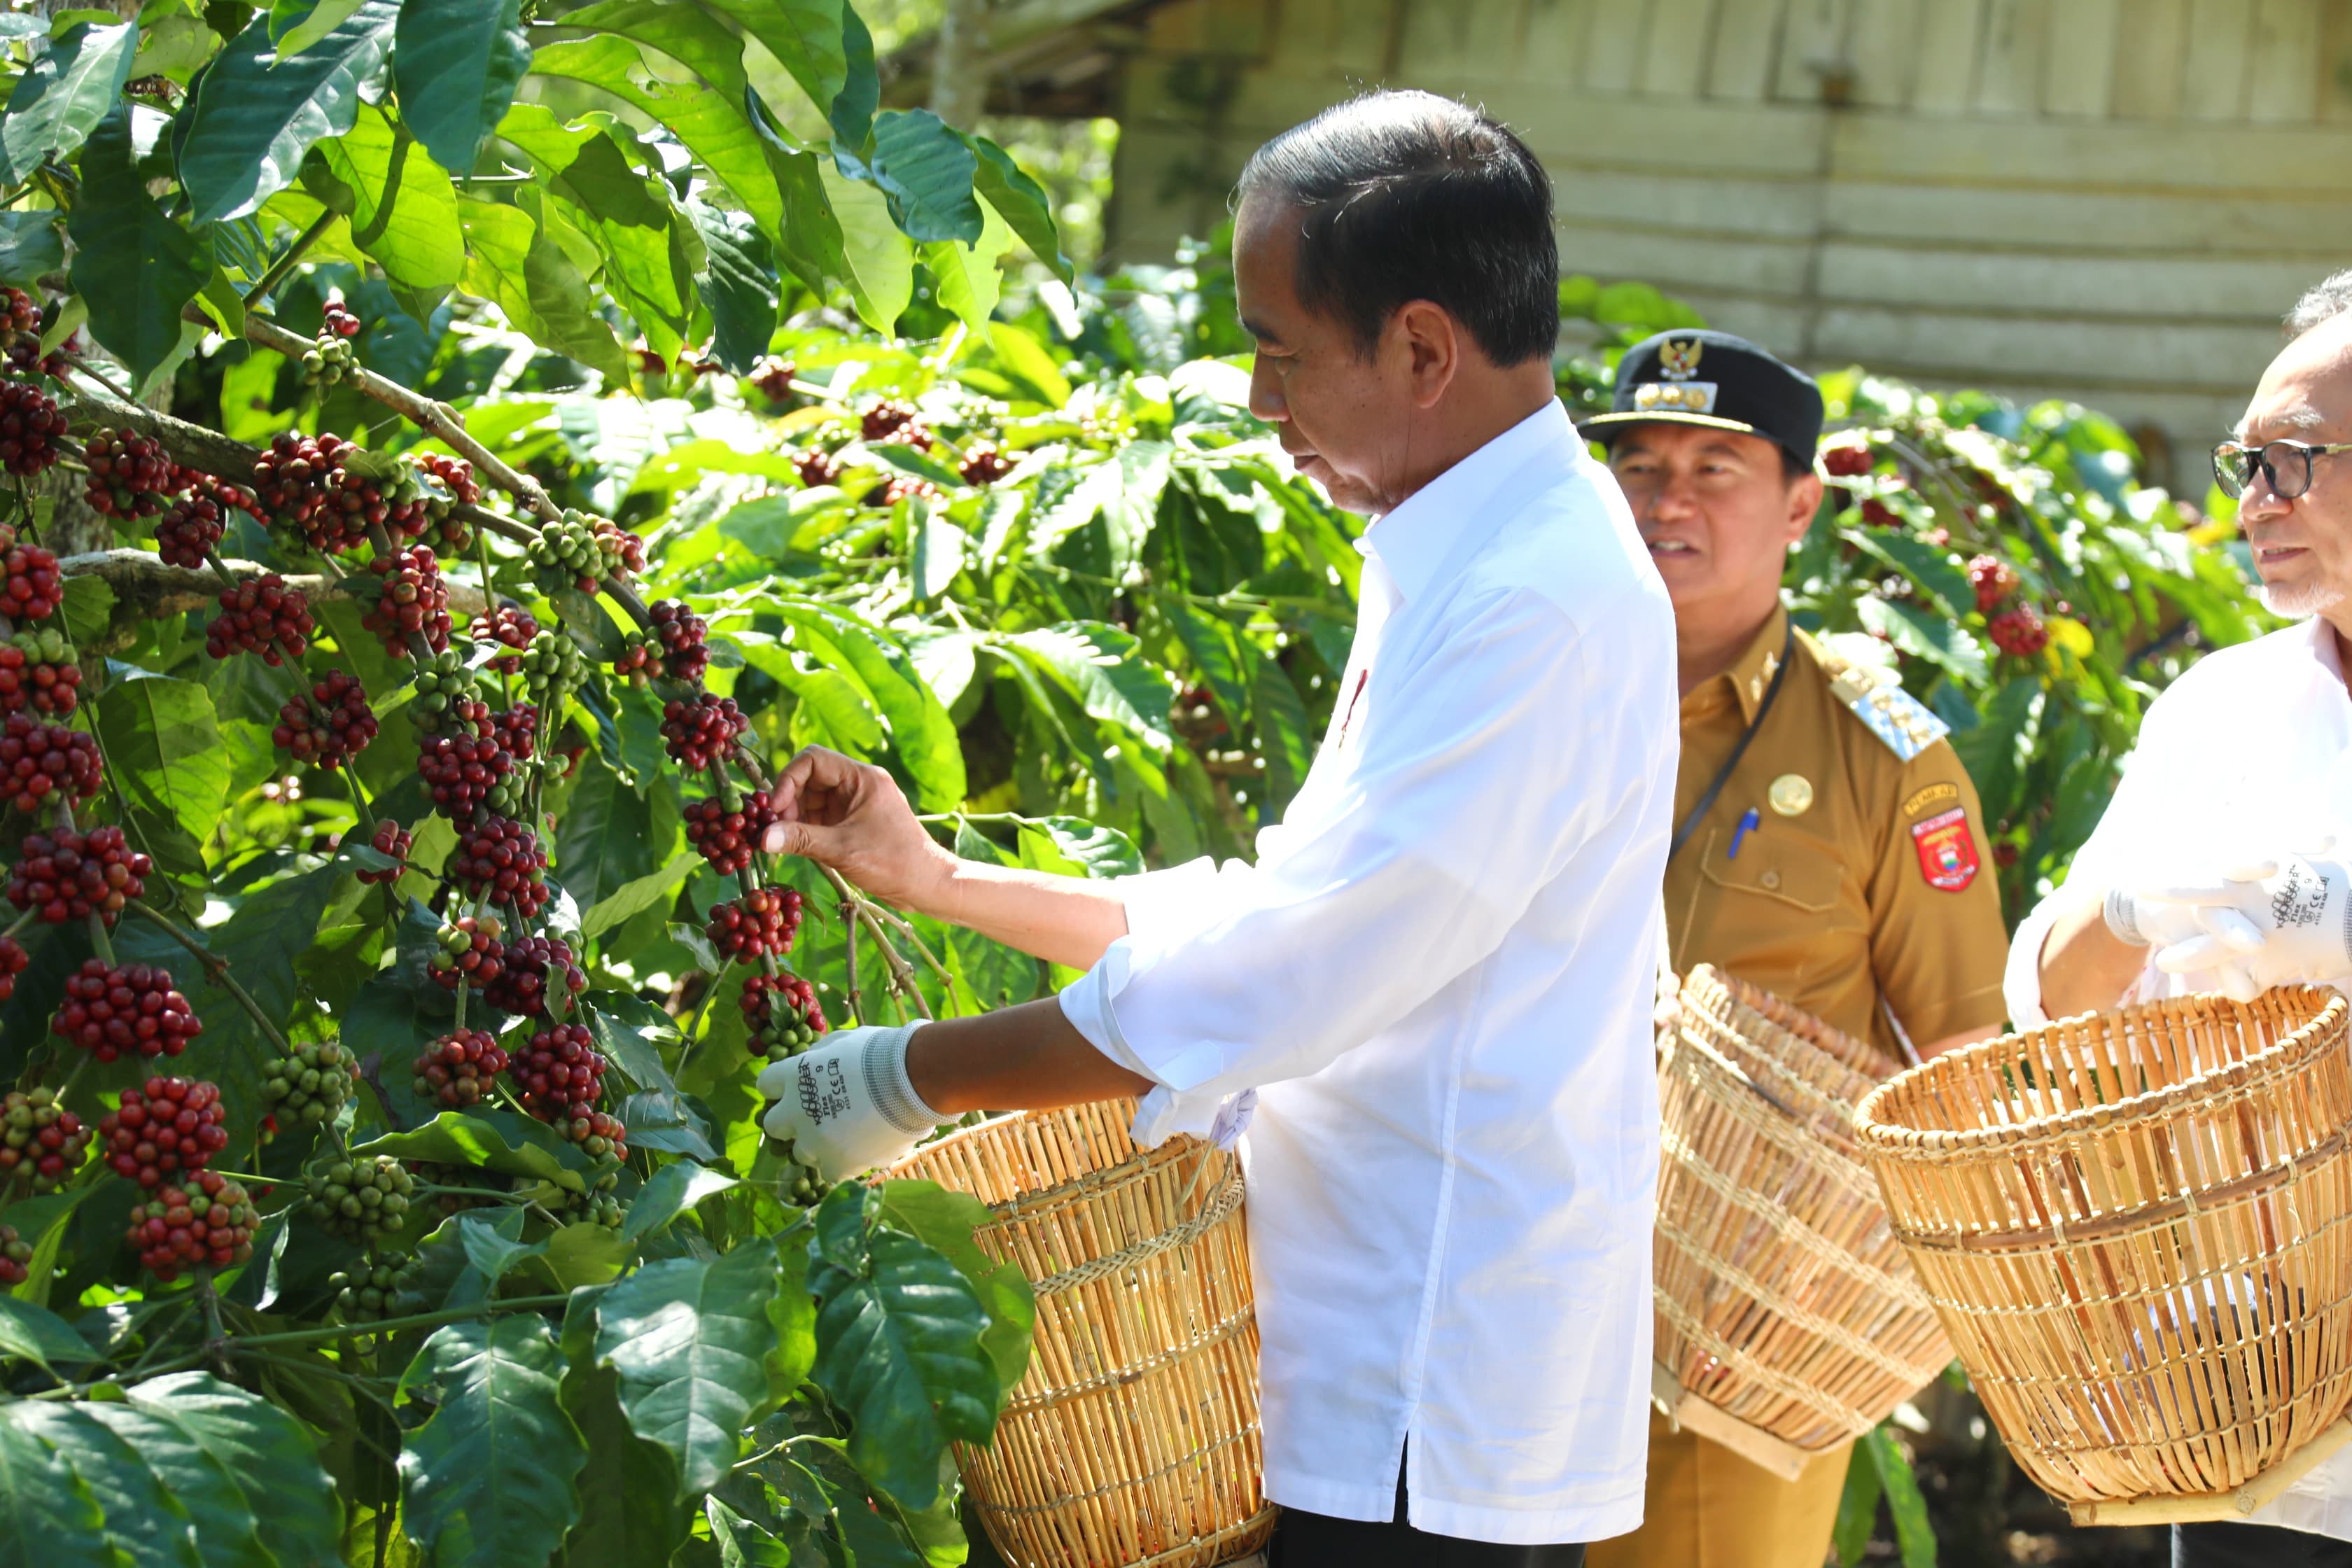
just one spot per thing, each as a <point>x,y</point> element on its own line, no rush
<point>2105,199</point>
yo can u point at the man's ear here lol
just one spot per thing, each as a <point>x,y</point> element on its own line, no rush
<point>1434,345</point>
<point>1804,503</point>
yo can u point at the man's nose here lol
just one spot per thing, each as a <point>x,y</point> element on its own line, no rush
<point>1668,498</point>
<point>1265,398</point>
<point>2261,504</point>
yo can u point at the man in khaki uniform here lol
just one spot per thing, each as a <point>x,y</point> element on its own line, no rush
<point>1828,845</point>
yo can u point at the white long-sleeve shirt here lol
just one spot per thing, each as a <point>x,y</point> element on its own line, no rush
<point>2248,752</point>
<point>1438,977</point>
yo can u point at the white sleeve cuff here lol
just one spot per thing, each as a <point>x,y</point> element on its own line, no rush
<point>1168,1109</point>
<point>1159,904</point>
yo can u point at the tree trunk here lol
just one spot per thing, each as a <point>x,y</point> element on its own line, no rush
<point>960,63</point>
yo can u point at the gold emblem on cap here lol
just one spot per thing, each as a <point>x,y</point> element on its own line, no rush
<point>1791,794</point>
<point>1679,361</point>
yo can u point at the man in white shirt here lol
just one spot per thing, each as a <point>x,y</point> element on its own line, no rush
<point>2210,870</point>
<point>1434,985</point>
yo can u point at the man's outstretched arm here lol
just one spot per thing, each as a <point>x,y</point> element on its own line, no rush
<point>853,818</point>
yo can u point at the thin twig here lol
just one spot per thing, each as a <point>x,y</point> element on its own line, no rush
<point>285,263</point>
<point>217,967</point>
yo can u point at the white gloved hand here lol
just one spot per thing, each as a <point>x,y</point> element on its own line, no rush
<point>2279,921</point>
<point>2149,920</point>
<point>847,1106</point>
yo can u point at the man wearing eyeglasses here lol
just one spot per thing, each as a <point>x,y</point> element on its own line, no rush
<point>2214,867</point>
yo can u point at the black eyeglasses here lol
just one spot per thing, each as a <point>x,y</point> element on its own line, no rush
<point>2286,464</point>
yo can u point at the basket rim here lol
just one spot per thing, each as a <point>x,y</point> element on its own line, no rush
<point>1893,1138</point>
<point>1849,1052</point>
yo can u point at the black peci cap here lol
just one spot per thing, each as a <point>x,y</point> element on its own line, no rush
<point>1698,377</point>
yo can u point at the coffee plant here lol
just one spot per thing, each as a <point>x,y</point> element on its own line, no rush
<point>381,1178</point>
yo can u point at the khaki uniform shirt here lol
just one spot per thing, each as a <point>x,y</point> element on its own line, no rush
<point>1866,874</point>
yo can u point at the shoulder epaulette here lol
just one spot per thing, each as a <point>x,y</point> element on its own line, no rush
<point>1876,697</point>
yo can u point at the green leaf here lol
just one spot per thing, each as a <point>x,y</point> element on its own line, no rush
<point>876,256</point>
<point>631,1031</point>
<point>294,1503</point>
<point>1916,632</point>
<point>1858,1514</point>
<point>1915,1533</point>
<point>219,1514</point>
<point>661,1119</point>
<point>456,66</point>
<point>39,1335</point>
<point>494,1140</point>
<point>628,1511</point>
<point>897,1349</point>
<point>1282,736</point>
<point>606,838</point>
<point>651,253</point>
<point>739,288</point>
<point>30,245</point>
<point>808,41</point>
<point>512,263</point>
<point>54,1521</point>
<point>946,1220</point>
<point>1101,667</point>
<point>404,210</point>
<point>63,95</point>
<point>135,266</point>
<point>926,170</point>
<point>967,275</point>
<point>164,747</point>
<point>740,1542</point>
<point>144,1522</point>
<point>1021,354</point>
<point>669,1192</point>
<point>1932,568</point>
<point>295,24</point>
<point>884,675</point>
<point>1071,846</point>
<point>710,120</point>
<point>938,551</point>
<point>1022,202</point>
<point>635,897</point>
<point>256,113</point>
<point>489,1480</point>
<point>689,1338</point>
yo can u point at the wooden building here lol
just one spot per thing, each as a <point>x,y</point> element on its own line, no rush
<point>2109,200</point>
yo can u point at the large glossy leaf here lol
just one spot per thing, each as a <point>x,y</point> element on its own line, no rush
<point>926,170</point>
<point>510,262</point>
<point>605,839</point>
<point>1915,1533</point>
<point>210,1495</point>
<point>490,1481</point>
<point>163,748</point>
<point>1101,667</point>
<point>134,266</point>
<point>806,37</point>
<point>946,1220</point>
<point>254,114</point>
<point>740,286</point>
<point>629,1509</point>
<point>30,245</point>
<point>1073,847</point>
<point>53,1521</point>
<point>62,96</point>
<point>1022,202</point>
<point>876,256</point>
<point>144,1522</point>
<point>494,1140</point>
<point>967,274</point>
<point>402,209</point>
<point>709,120</point>
<point>668,1193</point>
<point>689,1338</point>
<point>636,895</point>
<point>295,1507</point>
<point>897,1347</point>
<point>1925,635</point>
<point>650,251</point>
<point>919,726</point>
<point>456,68</point>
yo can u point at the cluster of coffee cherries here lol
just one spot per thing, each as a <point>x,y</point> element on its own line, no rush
<point>471,951</point>
<point>30,586</point>
<point>310,1084</point>
<point>37,671</point>
<point>760,924</point>
<point>41,1142</point>
<point>367,1293</point>
<point>38,761</point>
<point>129,475</point>
<point>362,1199</point>
<point>162,1130</point>
<point>316,490</point>
<point>509,624</point>
<point>498,859</point>
<point>2019,632</point>
<point>700,731</point>
<point>783,1013</point>
<point>124,1010</point>
<point>457,1070</point>
<point>538,976</point>
<point>393,841</point>
<point>559,1072</point>
<point>62,875</point>
<point>204,1221</point>
<point>264,617</point>
<point>15,1257</point>
<point>30,423</point>
<point>334,357</point>
<point>413,603</point>
<point>579,551</point>
<point>727,828</point>
<point>328,725</point>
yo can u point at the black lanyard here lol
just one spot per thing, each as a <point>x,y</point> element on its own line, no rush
<point>1723,775</point>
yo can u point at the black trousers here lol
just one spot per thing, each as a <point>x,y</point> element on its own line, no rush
<point>1302,1540</point>
<point>2255,1546</point>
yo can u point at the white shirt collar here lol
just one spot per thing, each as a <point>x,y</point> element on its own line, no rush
<point>1414,542</point>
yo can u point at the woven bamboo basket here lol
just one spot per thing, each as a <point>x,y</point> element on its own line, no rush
<point>2133,1224</point>
<point>1133,1438</point>
<point>1787,1320</point>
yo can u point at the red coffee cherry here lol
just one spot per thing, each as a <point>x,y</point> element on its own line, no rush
<point>14,960</point>
<point>129,474</point>
<point>330,726</point>
<point>816,469</point>
<point>2019,632</point>
<point>208,1220</point>
<point>559,1072</point>
<point>413,602</point>
<point>391,838</point>
<point>532,966</point>
<point>263,616</point>
<point>500,860</point>
<point>681,634</point>
<point>190,530</point>
<point>470,953</point>
<point>30,588</point>
<point>764,922</point>
<point>509,624</point>
<point>729,835</point>
<point>37,671</point>
<point>1848,460</point>
<point>701,730</point>
<point>29,428</point>
<point>461,771</point>
<point>456,1070</point>
<point>38,760</point>
<point>1993,579</point>
<point>983,466</point>
<point>891,420</point>
<point>783,1013</point>
<point>64,876</point>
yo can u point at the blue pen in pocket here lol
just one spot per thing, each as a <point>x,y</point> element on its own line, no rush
<point>1749,822</point>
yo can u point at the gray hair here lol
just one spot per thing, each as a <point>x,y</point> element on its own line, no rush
<point>2323,302</point>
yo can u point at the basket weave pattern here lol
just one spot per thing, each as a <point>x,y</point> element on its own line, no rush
<point>1781,1296</point>
<point>1133,1437</point>
<point>2133,1225</point>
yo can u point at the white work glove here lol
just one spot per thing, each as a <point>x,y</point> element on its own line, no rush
<point>847,1106</point>
<point>2148,918</point>
<point>2278,921</point>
